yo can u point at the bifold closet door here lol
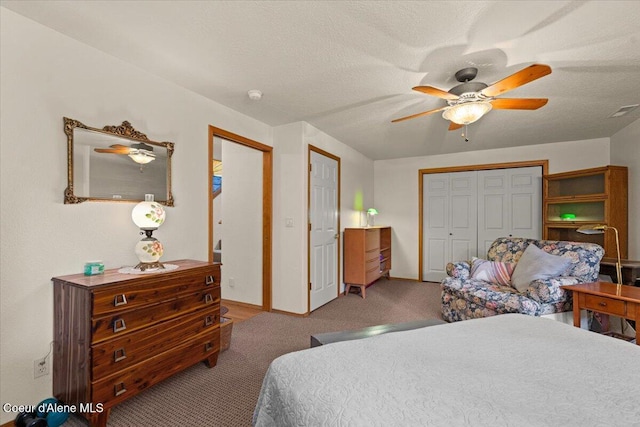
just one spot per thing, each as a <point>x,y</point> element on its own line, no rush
<point>449,221</point>
<point>509,205</point>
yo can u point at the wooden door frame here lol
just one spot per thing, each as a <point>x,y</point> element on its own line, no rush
<point>267,203</point>
<point>338,269</point>
<point>469,168</point>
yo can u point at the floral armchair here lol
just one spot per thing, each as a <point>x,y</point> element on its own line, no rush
<point>465,297</point>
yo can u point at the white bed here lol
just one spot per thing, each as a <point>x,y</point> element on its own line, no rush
<point>507,370</point>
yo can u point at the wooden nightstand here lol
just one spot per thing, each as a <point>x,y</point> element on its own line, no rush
<point>603,297</point>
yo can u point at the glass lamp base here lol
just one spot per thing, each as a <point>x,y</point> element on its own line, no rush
<point>147,265</point>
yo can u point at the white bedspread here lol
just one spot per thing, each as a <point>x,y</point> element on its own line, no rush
<point>507,370</point>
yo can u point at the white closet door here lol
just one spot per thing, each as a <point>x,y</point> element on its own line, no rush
<point>463,214</point>
<point>449,221</point>
<point>509,205</point>
<point>435,227</point>
<point>526,202</point>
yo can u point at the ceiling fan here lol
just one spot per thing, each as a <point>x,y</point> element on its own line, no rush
<point>469,101</point>
<point>140,153</point>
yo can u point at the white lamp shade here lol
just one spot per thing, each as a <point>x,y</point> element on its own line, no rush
<point>148,215</point>
<point>149,250</point>
<point>468,112</point>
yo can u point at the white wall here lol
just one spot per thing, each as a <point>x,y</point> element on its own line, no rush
<point>242,221</point>
<point>625,151</point>
<point>45,76</point>
<point>289,267</point>
<point>291,143</point>
<point>396,186</point>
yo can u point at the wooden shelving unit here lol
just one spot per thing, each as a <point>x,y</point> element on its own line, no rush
<point>594,196</point>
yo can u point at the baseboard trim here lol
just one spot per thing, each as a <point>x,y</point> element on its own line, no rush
<point>242,304</point>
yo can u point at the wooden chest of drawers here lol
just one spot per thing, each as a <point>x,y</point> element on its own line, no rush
<point>367,255</point>
<point>118,334</point>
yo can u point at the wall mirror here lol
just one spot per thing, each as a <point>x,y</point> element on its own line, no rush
<point>115,163</point>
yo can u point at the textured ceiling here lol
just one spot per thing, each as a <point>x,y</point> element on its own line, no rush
<point>348,67</point>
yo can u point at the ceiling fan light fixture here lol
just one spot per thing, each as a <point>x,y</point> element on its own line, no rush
<point>467,112</point>
<point>141,157</point>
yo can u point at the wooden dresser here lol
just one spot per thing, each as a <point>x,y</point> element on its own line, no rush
<point>118,334</point>
<point>367,256</point>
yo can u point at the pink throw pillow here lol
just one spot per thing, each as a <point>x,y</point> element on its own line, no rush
<point>492,271</point>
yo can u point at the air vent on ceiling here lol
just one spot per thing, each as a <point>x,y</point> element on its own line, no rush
<point>624,110</point>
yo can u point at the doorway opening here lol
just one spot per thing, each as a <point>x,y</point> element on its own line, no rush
<point>266,160</point>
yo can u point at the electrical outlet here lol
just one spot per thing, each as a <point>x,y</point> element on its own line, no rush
<point>232,282</point>
<point>40,367</point>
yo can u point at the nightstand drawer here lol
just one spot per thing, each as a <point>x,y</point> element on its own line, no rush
<point>120,353</point>
<point>605,305</point>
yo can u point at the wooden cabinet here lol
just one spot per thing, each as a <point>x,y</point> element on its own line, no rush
<point>588,196</point>
<point>118,334</point>
<point>367,255</point>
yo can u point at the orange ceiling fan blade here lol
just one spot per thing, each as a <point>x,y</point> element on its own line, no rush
<point>524,76</point>
<point>430,90</point>
<point>123,150</point>
<point>454,126</point>
<point>518,103</point>
<point>424,113</point>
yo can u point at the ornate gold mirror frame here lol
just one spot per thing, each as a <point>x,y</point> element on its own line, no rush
<point>115,163</point>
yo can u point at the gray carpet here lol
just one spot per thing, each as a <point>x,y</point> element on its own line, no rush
<point>226,394</point>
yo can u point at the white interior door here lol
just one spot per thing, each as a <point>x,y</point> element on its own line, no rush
<point>435,226</point>
<point>526,202</point>
<point>493,208</point>
<point>449,221</point>
<point>323,217</point>
<point>509,205</point>
<point>463,229</point>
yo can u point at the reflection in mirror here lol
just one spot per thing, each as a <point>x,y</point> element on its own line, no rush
<point>116,163</point>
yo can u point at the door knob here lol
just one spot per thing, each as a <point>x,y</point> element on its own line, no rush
<point>336,236</point>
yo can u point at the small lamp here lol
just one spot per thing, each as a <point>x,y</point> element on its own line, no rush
<point>600,229</point>
<point>371,213</point>
<point>148,216</point>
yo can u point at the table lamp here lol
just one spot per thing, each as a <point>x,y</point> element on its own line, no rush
<point>600,229</point>
<point>148,216</point>
<point>371,213</point>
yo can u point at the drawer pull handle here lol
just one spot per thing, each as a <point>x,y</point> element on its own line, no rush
<point>208,299</point>
<point>120,300</point>
<point>119,388</point>
<point>119,325</point>
<point>119,355</point>
<point>210,280</point>
<point>208,321</point>
<point>602,304</point>
<point>208,346</point>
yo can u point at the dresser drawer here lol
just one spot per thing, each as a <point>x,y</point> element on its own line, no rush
<point>372,272</point>
<point>129,382</point>
<point>114,355</point>
<point>372,255</point>
<point>372,239</point>
<point>121,323</point>
<point>118,298</point>
<point>604,304</point>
